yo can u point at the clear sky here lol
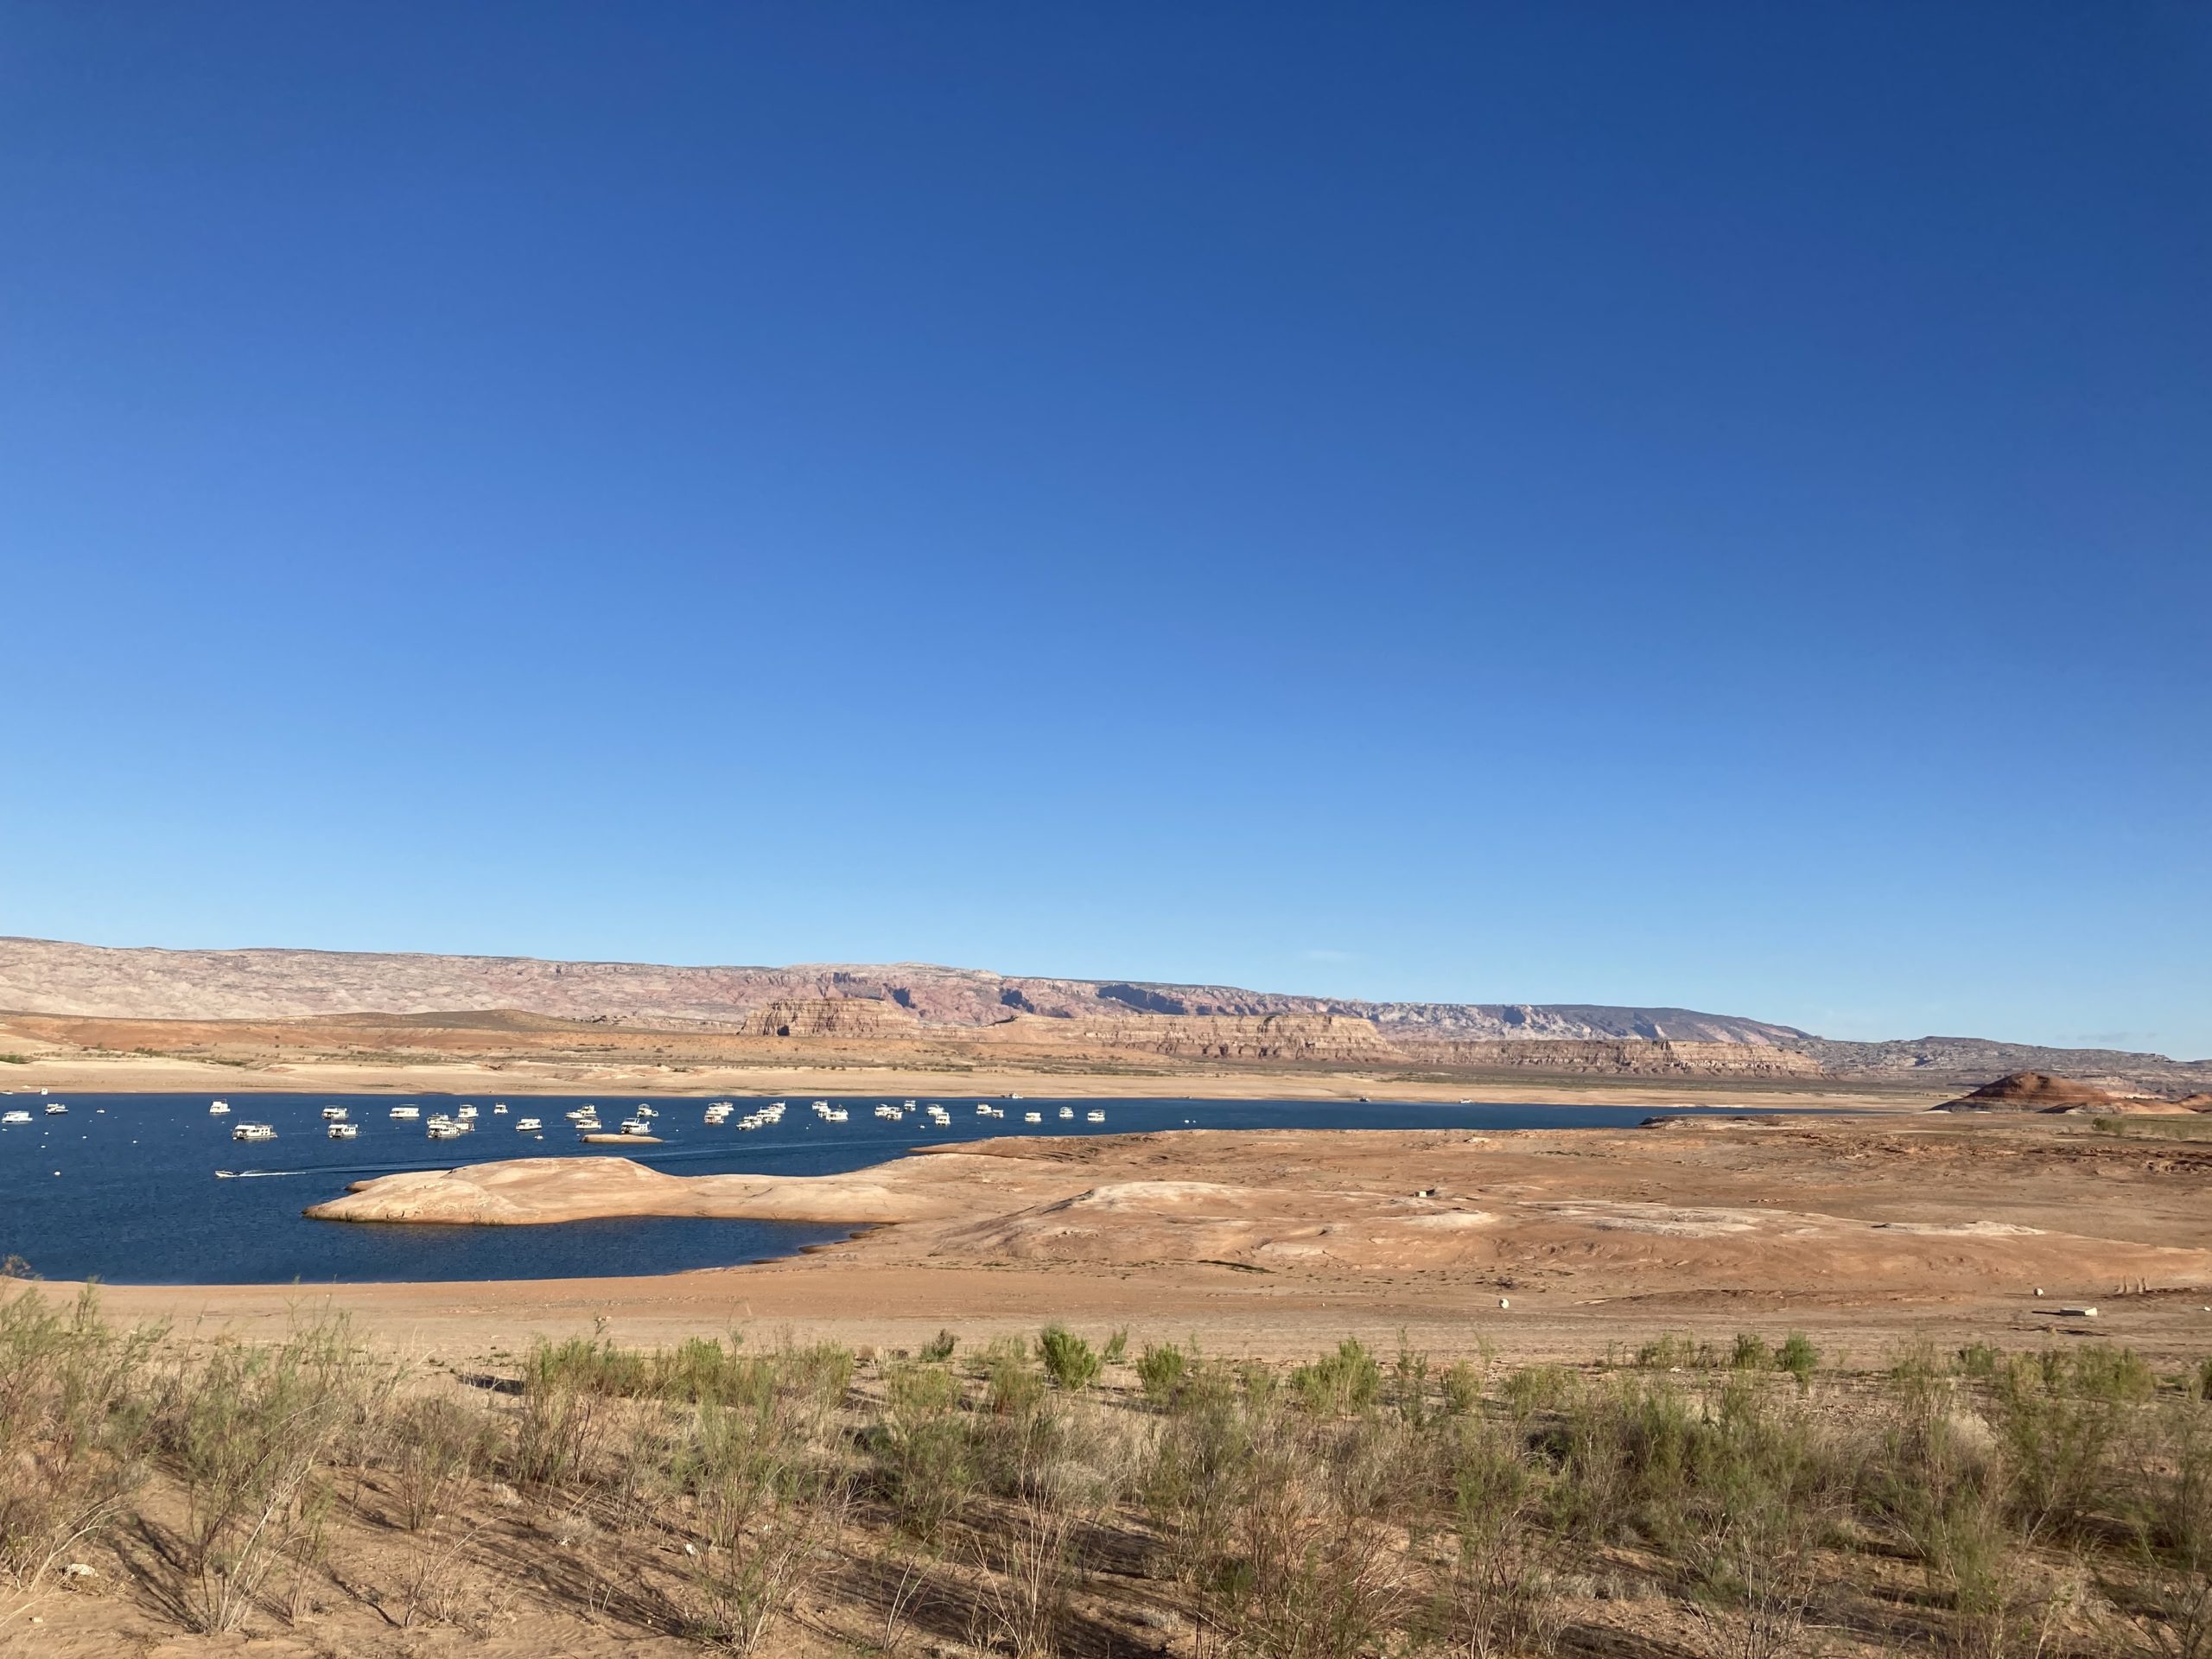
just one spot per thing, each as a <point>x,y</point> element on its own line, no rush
<point>1691,505</point>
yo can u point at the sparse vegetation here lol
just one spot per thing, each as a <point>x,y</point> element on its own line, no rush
<point>1746,1495</point>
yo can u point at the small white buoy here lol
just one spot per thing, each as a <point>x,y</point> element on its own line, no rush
<point>2038,1290</point>
<point>1502,1302</point>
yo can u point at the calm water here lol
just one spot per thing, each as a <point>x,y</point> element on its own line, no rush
<point>124,1187</point>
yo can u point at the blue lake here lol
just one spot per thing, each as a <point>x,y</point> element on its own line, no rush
<point>124,1187</point>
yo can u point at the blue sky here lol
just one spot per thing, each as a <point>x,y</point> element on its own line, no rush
<point>1655,504</point>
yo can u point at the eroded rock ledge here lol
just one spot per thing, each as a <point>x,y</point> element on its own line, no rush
<point>529,1192</point>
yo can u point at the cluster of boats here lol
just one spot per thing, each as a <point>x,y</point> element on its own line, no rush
<point>338,1123</point>
<point>585,1119</point>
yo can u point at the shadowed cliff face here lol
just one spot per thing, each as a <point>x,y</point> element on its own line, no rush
<point>891,1011</point>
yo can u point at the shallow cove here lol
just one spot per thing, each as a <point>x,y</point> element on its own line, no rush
<point>136,1199</point>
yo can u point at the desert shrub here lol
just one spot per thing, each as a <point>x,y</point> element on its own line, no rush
<point>1409,1385</point>
<point>587,1366</point>
<point>764,1506</point>
<point>1979,1360</point>
<point>1011,1386</point>
<point>563,1417</point>
<point>1299,1573</point>
<point>1937,1481</point>
<point>1763,1492</point>
<point>1159,1369</point>
<point>250,1432</point>
<point>1533,1389</point>
<point>1338,1384</point>
<point>938,1348</point>
<point>1494,1596</point>
<point>821,1372</point>
<point>922,1449</point>
<point>1194,1479</point>
<point>2167,1509</point>
<point>1799,1358</point>
<point>71,1428</point>
<point>1666,1353</point>
<point>1076,1472</point>
<point>2057,1417</point>
<point>701,1369</point>
<point>1118,1347</point>
<point>1462,1385</point>
<point>1070,1361</point>
<point>435,1448</point>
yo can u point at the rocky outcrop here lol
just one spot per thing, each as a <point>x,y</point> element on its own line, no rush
<point>1619,1059</point>
<point>1313,1039</point>
<point>2038,1092</point>
<point>536,1191</point>
<point>855,1018</point>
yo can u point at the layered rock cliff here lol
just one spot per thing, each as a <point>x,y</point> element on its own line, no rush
<point>908,1004</point>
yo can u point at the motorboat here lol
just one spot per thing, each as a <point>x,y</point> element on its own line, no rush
<point>499,1111</point>
<point>1033,1117</point>
<point>333,1114</point>
<point>443,1128</point>
<point>219,1108</point>
<point>18,1115</point>
<point>407,1113</point>
<point>341,1130</point>
<point>1067,1114</point>
<point>467,1115</point>
<point>253,1132</point>
<point>1094,1117</point>
<point>527,1125</point>
<point>56,1109</point>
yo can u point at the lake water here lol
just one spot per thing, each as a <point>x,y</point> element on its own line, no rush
<point>124,1187</point>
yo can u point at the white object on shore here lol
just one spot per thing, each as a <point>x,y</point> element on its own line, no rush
<point>1503,1302</point>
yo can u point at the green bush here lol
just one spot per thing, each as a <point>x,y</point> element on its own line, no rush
<point>1799,1358</point>
<point>1011,1387</point>
<point>1070,1361</point>
<point>1160,1369</point>
<point>1463,1388</point>
<point>938,1348</point>
<point>1338,1384</point>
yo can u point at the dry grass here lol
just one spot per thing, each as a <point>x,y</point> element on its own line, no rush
<point>1039,1499</point>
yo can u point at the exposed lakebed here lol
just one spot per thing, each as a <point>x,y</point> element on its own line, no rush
<point>124,1188</point>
